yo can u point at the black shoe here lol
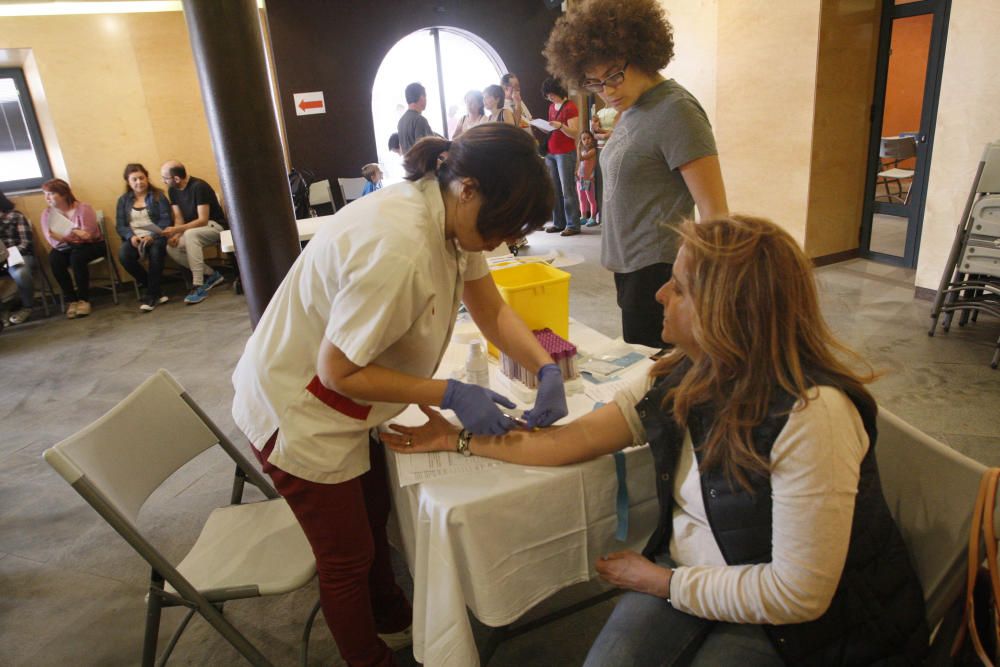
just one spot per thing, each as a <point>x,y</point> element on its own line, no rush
<point>553,229</point>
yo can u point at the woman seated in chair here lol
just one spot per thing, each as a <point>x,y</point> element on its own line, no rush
<point>142,213</point>
<point>15,232</point>
<point>774,544</point>
<point>70,227</point>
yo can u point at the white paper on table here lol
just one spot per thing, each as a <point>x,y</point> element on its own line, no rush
<point>416,468</point>
<point>605,391</point>
<point>543,125</point>
<point>14,257</point>
<point>59,223</point>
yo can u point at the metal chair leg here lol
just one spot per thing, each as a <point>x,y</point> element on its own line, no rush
<point>153,606</point>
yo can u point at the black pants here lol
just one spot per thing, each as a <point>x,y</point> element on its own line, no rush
<point>642,316</point>
<point>156,251</point>
<point>77,257</point>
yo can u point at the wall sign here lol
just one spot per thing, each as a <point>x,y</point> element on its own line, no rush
<point>307,104</point>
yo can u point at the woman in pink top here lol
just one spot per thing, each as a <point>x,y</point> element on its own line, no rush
<point>70,227</point>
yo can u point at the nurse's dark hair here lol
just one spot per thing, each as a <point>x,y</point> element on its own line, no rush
<point>503,161</point>
<point>6,205</point>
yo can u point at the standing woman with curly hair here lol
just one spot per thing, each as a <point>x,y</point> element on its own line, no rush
<point>660,161</point>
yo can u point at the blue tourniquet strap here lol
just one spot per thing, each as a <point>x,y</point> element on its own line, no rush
<point>622,501</point>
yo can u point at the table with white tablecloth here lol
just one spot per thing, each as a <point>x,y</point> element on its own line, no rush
<point>501,540</point>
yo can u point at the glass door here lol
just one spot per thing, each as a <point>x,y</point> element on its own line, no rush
<point>911,53</point>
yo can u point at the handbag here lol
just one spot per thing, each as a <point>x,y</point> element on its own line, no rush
<point>984,620</point>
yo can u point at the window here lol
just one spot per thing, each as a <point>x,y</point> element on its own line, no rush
<point>23,161</point>
<point>444,60</point>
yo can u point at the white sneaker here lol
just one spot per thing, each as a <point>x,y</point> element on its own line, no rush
<point>398,640</point>
<point>20,316</point>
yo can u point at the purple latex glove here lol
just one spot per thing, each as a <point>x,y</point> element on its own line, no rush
<point>550,404</point>
<point>477,409</point>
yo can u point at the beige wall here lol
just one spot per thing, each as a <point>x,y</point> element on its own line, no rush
<point>968,118</point>
<point>119,88</point>
<point>695,24</point>
<point>765,104</point>
<point>845,81</point>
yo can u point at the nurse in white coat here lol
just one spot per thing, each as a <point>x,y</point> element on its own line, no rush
<point>355,332</point>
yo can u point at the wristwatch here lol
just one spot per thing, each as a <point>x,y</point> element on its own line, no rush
<point>463,443</point>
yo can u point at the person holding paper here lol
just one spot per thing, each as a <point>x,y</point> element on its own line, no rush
<point>564,117</point>
<point>17,237</point>
<point>774,544</point>
<point>661,160</point>
<point>70,227</point>
<point>143,213</point>
<point>355,332</point>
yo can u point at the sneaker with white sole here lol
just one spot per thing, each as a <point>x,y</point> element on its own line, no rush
<point>196,295</point>
<point>20,316</point>
<point>149,303</point>
<point>397,640</point>
<point>215,279</point>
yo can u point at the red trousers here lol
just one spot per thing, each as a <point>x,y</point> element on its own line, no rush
<point>345,524</point>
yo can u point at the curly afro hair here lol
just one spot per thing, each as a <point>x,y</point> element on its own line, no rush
<point>609,32</point>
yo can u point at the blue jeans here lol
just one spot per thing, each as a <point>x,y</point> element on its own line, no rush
<point>156,251</point>
<point>566,213</point>
<point>22,275</point>
<point>647,630</point>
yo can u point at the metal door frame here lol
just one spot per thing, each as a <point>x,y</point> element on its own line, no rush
<point>941,9</point>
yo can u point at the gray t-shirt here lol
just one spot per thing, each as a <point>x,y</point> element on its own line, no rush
<point>645,196</point>
<point>412,126</point>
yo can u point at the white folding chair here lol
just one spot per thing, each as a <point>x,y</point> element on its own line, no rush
<point>893,151</point>
<point>351,188</point>
<point>243,551</point>
<point>931,490</point>
<point>320,195</point>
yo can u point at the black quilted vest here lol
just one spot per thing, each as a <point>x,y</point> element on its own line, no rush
<point>877,614</point>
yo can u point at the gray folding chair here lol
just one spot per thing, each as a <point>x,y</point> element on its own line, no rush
<point>243,551</point>
<point>931,490</point>
<point>351,188</point>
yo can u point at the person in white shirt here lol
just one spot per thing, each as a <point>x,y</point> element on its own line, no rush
<point>774,543</point>
<point>355,332</point>
<point>512,100</point>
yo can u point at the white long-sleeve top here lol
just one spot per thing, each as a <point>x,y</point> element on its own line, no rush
<point>815,469</point>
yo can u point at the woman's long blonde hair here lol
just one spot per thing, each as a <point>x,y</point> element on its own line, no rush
<point>758,324</point>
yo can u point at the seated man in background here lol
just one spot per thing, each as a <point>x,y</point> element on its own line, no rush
<point>373,178</point>
<point>198,222</point>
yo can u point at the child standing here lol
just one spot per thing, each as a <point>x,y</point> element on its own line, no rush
<point>373,178</point>
<point>585,179</point>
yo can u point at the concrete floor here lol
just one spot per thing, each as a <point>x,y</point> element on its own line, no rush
<point>71,591</point>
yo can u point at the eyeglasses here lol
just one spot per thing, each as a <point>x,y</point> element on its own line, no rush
<point>598,85</point>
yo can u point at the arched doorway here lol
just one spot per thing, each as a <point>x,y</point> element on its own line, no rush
<point>449,62</point>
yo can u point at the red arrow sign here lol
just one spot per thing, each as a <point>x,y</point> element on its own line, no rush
<point>313,104</point>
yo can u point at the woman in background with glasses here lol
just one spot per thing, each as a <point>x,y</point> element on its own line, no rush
<point>660,161</point>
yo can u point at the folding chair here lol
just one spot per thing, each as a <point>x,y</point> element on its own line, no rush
<point>893,151</point>
<point>931,490</point>
<point>351,188</point>
<point>114,278</point>
<point>243,551</point>
<point>321,198</point>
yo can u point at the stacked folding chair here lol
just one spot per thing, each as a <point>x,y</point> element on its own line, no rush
<point>970,283</point>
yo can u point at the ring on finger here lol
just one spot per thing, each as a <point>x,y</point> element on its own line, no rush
<point>409,442</point>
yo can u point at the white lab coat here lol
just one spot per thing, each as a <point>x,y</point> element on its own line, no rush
<point>379,281</point>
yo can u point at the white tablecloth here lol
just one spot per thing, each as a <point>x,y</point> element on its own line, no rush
<point>502,540</point>
<point>306,227</point>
